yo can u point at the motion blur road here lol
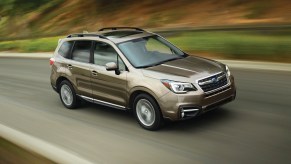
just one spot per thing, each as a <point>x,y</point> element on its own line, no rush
<point>255,128</point>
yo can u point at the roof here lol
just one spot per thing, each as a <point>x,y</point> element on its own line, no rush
<point>116,34</point>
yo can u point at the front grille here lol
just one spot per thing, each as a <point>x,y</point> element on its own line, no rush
<point>213,82</point>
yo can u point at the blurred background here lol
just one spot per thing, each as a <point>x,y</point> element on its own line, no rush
<point>232,29</point>
<point>255,128</point>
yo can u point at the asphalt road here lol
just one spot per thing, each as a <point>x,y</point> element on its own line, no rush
<point>256,128</point>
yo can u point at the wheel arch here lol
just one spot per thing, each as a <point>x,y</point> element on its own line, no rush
<point>60,79</point>
<point>140,90</point>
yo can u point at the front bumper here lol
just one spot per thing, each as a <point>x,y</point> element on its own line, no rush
<point>184,106</point>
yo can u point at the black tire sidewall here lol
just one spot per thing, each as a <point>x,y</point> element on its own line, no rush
<point>74,103</point>
<point>158,116</point>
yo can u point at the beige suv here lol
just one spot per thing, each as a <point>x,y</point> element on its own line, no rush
<point>132,69</point>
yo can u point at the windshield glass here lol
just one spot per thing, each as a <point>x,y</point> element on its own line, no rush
<point>149,51</point>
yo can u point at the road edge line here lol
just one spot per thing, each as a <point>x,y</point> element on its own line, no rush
<point>39,146</point>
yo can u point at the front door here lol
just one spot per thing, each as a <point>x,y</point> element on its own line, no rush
<point>108,87</point>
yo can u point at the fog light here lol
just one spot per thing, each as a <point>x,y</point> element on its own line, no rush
<point>182,114</point>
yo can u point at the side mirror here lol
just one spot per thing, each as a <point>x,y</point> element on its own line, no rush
<point>111,66</point>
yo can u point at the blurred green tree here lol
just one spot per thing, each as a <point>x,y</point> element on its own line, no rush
<point>17,7</point>
<point>6,7</point>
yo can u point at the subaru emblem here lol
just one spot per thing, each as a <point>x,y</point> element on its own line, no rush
<point>214,80</point>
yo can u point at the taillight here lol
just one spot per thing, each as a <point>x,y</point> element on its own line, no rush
<point>52,60</point>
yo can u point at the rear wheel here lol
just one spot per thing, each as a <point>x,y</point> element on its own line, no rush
<point>147,112</point>
<point>68,95</point>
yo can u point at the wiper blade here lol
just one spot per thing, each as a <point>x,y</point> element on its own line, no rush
<point>170,60</point>
<point>159,63</point>
<point>151,65</point>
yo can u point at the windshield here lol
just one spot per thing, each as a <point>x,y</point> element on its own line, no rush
<point>149,51</point>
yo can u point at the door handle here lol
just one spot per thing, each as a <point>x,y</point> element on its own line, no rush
<point>94,73</point>
<point>70,66</point>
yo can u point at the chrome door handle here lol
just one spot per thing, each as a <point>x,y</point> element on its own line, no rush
<point>70,66</point>
<point>94,73</point>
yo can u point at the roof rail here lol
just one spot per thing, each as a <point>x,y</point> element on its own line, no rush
<point>84,35</point>
<point>116,28</point>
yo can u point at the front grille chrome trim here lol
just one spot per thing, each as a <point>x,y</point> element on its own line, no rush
<point>207,77</point>
<point>190,110</point>
<point>210,81</point>
<point>217,89</point>
<point>220,77</point>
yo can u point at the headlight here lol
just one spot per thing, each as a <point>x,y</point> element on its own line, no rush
<point>178,87</point>
<point>227,70</point>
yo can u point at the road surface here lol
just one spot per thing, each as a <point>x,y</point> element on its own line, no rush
<point>256,128</point>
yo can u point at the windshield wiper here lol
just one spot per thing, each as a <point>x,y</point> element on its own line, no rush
<point>150,65</point>
<point>170,60</point>
<point>159,63</point>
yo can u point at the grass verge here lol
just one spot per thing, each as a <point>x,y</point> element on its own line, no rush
<point>11,153</point>
<point>237,45</point>
<point>30,45</point>
<point>254,45</point>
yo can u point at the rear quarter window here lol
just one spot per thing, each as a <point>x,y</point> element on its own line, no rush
<point>81,51</point>
<point>65,49</point>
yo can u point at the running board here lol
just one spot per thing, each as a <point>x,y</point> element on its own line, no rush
<point>104,103</point>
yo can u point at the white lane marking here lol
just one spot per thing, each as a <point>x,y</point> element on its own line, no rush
<point>41,147</point>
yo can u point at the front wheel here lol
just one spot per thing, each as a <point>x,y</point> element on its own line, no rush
<point>68,95</point>
<point>147,112</point>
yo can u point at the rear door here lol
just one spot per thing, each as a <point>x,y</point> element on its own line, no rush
<point>80,68</point>
<point>108,87</point>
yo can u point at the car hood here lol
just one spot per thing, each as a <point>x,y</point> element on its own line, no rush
<point>185,69</point>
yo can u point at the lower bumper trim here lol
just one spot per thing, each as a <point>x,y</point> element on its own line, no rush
<point>217,104</point>
<point>187,112</point>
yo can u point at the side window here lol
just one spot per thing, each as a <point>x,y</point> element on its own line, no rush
<point>65,48</point>
<point>81,51</point>
<point>105,53</point>
<point>121,64</point>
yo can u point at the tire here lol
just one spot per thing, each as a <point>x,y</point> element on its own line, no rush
<point>68,95</point>
<point>147,112</point>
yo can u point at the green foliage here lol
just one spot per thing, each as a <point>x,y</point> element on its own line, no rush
<point>16,7</point>
<point>235,44</point>
<point>34,45</point>
<point>238,45</point>
<point>49,6</point>
<point>6,6</point>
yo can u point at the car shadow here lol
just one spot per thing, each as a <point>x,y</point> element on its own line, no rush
<point>106,111</point>
<point>215,117</point>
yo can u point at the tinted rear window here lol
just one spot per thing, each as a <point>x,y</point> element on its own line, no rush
<point>81,51</point>
<point>65,48</point>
